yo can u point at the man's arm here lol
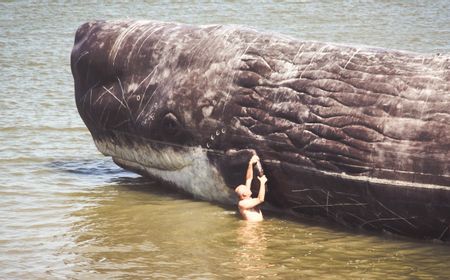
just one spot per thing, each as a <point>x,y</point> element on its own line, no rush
<point>250,203</point>
<point>249,175</point>
<point>262,187</point>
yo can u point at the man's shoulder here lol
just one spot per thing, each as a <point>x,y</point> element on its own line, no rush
<point>242,203</point>
<point>247,204</point>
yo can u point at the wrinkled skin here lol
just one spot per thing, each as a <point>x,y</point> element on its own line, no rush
<point>356,134</point>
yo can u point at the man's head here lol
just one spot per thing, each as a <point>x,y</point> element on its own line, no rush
<point>243,192</point>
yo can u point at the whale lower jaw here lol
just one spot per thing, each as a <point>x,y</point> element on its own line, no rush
<point>188,169</point>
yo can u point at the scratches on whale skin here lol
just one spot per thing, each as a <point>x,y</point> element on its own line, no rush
<point>148,36</point>
<point>370,222</point>
<point>298,54</point>
<point>441,236</point>
<point>81,56</point>
<point>100,97</point>
<point>442,69</point>
<point>304,190</point>
<point>114,96</point>
<point>149,31</point>
<point>209,42</point>
<point>356,201</point>
<point>120,124</point>
<point>350,59</point>
<point>124,99</point>
<point>395,214</point>
<point>312,59</point>
<point>327,202</point>
<point>88,93</point>
<point>325,206</point>
<point>103,123</point>
<point>361,220</point>
<point>141,109</point>
<point>347,194</point>
<point>119,41</point>
<point>107,115</point>
<point>144,79</point>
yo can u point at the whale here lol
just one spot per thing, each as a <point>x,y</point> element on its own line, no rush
<point>356,136</point>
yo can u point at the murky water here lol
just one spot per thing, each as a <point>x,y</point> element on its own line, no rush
<point>66,211</point>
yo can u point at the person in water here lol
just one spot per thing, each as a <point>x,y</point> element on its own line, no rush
<point>248,206</point>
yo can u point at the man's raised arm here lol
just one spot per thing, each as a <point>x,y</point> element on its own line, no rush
<point>249,176</point>
<point>262,188</point>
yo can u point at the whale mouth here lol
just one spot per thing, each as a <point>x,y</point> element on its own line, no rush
<point>187,168</point>
<point>147,153</point>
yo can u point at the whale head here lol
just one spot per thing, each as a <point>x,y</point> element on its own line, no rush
<point>155,100</point>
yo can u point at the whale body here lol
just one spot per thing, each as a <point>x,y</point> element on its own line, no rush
<point>355,134</point>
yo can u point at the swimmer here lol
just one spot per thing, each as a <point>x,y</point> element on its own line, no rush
<point>248,206</point>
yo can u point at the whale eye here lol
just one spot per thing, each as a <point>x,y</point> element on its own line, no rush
<point>170,123</point>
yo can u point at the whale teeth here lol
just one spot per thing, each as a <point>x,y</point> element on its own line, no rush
<point>207,145</point>
<point>217,132</point>
<point>212,137</point>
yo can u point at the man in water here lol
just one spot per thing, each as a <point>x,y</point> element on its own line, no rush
<point>248,206</point>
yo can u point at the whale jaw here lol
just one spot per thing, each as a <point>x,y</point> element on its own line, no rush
<point>187,168</point>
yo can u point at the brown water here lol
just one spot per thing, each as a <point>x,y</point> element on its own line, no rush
<point>68,212</point>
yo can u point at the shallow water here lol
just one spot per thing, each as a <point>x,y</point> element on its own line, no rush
<point>67,211</point>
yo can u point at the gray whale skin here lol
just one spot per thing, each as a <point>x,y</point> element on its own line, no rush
<point>353,134</point>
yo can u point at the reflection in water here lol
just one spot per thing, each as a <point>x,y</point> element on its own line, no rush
<point>252,244</point>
